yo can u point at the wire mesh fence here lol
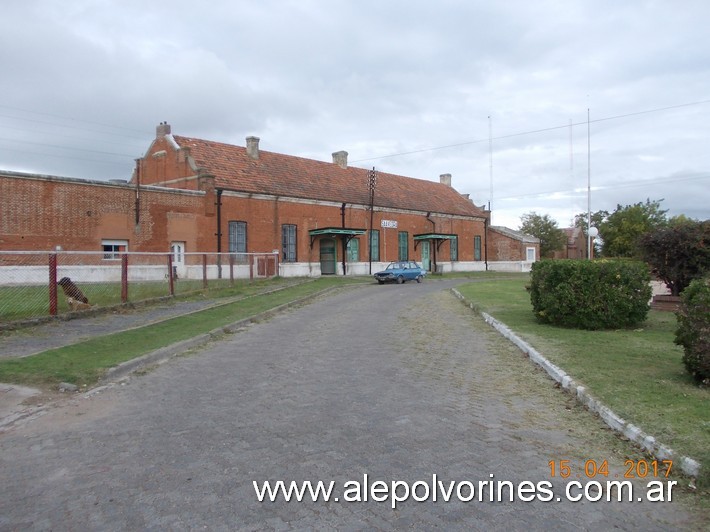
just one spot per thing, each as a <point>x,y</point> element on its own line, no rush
<point>35,284</point>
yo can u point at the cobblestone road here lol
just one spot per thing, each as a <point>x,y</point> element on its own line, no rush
<point>395,382</point>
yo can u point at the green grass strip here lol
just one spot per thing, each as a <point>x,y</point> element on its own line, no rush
<point>638,373</point>
<point>86,362</point>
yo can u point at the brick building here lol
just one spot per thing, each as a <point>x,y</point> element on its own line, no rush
<point>576,245</point>
<point>193,195</point>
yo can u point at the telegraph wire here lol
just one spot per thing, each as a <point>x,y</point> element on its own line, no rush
<point>533,131</point>
<point>627,184</point>
<point>65,118</point>
<point>44,154</point>
<point>53,124</point>
<point>65,147</point>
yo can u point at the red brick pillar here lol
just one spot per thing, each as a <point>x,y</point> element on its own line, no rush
<point>171,280</point>
<point>53,284</point>
<point>124,278</point>
<point>204,271</point>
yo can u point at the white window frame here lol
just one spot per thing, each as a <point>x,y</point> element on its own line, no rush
<point>113,254</point>
<point>528,253</point>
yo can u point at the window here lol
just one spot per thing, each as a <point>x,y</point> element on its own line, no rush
<point>530,254</point>
<point>238,240</point>
<point>353,250</point>
<point>476,248</point>
<point>113,248</point>
<point>375,245</point>
<point>454,248</point>
<point>288,242</point>
<point>403,245</point>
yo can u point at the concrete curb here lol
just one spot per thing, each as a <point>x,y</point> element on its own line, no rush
<point>165,353</point>
<point>659,451</point>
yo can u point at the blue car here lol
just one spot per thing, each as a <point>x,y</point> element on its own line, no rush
<point>401,271</point>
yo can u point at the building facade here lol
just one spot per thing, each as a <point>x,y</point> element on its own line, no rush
<point>321,218</point>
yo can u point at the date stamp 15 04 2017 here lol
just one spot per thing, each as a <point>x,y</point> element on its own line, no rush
<point>640,469</point>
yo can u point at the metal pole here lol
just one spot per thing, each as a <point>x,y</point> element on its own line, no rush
<point>490,160</point>
<point>372,183</point>
<point>589,190</point>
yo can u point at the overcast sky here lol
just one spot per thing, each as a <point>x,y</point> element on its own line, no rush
<point>406,86</point>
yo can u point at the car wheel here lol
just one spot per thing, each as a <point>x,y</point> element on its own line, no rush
<point>400,279</point>
<point>380,281</point>
<point>419,278</point>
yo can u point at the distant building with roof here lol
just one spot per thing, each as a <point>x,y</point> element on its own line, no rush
<point>575,245</point>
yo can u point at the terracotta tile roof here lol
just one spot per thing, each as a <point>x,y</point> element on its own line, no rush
<point>286,175</point>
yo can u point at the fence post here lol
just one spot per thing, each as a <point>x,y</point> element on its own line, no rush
<point>204,270</point>
<point>52,284</point>
<point>231,269</point>
<point>252,258</point>
<point>124,278</point>
<point>276,265</point>
<point>171,281</point>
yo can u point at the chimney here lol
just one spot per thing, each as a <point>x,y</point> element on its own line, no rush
<point>341,159</point>
<point>253,147</point>
<point>445,179</point>
<point>162,129</point>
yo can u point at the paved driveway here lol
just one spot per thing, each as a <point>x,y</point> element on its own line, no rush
<point>396,382</point>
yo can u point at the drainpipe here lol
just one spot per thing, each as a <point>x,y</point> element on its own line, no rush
<point>138,189</point>
<point>345,242</point>
<point>433,230</point>
<point>485,241</point>
<point>218,234</point>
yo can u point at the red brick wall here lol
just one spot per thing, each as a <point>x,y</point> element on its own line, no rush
<point>42,213</point>
<point>502,247</point>
<point>163,165</point>
<point>265,218</point>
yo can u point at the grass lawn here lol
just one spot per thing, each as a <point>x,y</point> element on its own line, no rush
<point>637,372</point>
<point>23,302</point>
<point>86,362</point>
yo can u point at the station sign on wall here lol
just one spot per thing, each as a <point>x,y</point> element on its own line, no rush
<point>389,224</point>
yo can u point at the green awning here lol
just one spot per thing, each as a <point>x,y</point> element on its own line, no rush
<point>438,238</point>
<point>336,231</point>
<point>346,232</point>
<point>435,236</point>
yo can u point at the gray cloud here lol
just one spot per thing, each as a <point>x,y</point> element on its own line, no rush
<point>86,82</point>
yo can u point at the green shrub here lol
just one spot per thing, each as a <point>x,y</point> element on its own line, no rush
<point>583,294</point>
<point>694,329</point>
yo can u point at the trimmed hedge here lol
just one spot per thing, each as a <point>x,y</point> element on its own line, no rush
<point>694,329</point>
<point>583,294</point>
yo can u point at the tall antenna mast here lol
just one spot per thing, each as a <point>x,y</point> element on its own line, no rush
<point>490,158</point>
<point>589,190</point>
<point>571,155</point>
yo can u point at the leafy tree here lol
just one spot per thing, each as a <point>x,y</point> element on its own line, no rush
<point>598,218</point>
<point>623,228</point>
<point>678,253</point>
<point>545,228</point>
<point>680,219</point>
